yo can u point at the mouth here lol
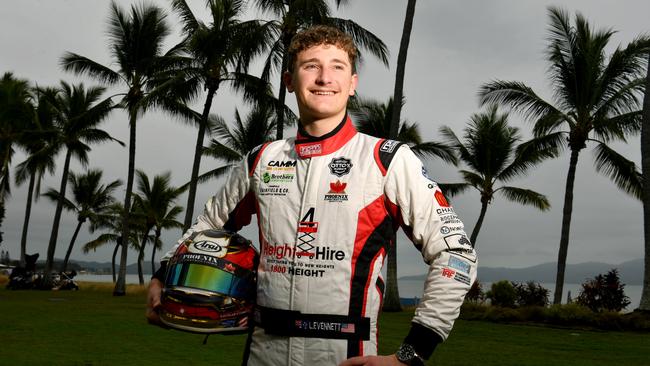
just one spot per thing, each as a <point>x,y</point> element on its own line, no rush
<point>323,92</point>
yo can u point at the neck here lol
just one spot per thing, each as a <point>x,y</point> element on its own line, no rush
<point>320,127</point>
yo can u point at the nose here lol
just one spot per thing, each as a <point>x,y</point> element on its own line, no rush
<point>324,76</point>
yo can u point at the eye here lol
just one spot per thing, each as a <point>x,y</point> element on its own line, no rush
<point>339,67</point>
<point>310,66</point>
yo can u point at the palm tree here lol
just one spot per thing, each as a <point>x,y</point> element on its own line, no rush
<point>38,135</point>
<point>154,202</point>
<point>219,53</point>
<point>110,222</point>
<point>374,118</point>
<point>78,112</point>
<point>16,111</point>
<point>90,199</point>
<point>595,101</point>
<point>136,41</point>
<point>232,144</point>
<point>294,15</point>
<point>398,93</point>
<point>492,156</point>
<point>645,165</point>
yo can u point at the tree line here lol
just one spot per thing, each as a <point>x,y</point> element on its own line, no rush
<point>596,101</point>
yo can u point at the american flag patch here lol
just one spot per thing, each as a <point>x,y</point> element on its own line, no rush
<point>347,328</point>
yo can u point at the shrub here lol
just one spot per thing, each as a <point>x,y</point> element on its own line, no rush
<point>503,314</point>
<point>531,294</point>
<point>475,293</point>
<point>502,294</point>
<point>604,293</point>
<point>569,314</point>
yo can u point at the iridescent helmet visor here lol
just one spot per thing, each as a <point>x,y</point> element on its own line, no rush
<point>206,294</point>
<point>228,280</point>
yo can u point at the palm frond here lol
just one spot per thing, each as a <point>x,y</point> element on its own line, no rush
<point>54,196</point>
<point>532,153</point>
<point>519,97</point>
<point>622,171</point>
<point>525,197</point>
<point>363,38</point>
<point>85,66</point>
<point>436,149</point>
<point>473,179</point>
<point>453,189</point>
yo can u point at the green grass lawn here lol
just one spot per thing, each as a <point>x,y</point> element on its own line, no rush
<point>91,327</point>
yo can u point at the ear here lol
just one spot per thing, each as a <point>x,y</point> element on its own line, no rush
<point>287,78</point>
<point>353,84</point>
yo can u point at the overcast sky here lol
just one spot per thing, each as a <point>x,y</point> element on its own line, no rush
<point>455,47</point>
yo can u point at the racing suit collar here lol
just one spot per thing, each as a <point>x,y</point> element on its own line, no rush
<point>308,146</point>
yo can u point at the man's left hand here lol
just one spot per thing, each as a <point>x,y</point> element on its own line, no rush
<point>372,361</point>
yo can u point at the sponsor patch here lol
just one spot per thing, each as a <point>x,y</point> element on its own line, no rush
<point>460,245</point>
<point>459,264</point>
<point>448,272</point>
<point>462,278</point>
<point>282,164</point>
<point>340,166</point>
<point>448,229</point>
<point>208,246</point>
<point>273,190</point>
<point>337,192</point>
<point>388,146</point>
<point>445,211</point>
<point>310,150</point>
<point>277,178</point>
<point>440,198</point>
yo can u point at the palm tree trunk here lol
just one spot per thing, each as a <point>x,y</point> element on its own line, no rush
<point>117,246</point>
<point>282,96</point>
<point>644,305</point>
<point>141,257</point>
<point>153,251</point>
<point>566,226</point>
<point>2,214</point>
<point>391,299</point>
<point>64,267</point>
<point>28,213</point>
<point>287,36</point>
<point>51,247</point>
<point>198,150</point>
<point>120,285</point>
<point>479,223</point>
<point>401,69</point>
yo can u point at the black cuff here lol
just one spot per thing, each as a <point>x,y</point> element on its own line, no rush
<point>423,340</point>
<point>161,273</point>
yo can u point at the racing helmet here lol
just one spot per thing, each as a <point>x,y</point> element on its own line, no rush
<point>210,283</point>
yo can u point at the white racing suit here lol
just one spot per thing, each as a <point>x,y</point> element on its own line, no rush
<point>327,210</point>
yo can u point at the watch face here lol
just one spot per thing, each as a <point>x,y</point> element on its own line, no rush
<point>405,353</point>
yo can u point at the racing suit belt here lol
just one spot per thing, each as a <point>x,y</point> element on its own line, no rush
<point>291,323</point>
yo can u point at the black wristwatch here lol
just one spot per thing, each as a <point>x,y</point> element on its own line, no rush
<point>406,354</point>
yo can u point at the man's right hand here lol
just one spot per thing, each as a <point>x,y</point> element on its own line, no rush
<point>153,302</point>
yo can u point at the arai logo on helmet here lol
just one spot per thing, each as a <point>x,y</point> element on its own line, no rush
<point>207,246</point>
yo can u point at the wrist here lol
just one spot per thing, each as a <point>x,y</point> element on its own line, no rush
<point>407,355</point>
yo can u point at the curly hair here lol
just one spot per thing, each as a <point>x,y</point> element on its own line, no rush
<point>321,35</point>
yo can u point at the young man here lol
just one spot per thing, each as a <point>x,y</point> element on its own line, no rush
<point>328,203</point>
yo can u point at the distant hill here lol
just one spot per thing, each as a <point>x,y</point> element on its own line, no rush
<point>101,267</point>
<point>631,272</point>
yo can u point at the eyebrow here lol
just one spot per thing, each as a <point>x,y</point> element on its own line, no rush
<point>334,60</point>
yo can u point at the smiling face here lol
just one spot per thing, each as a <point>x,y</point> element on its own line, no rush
<point>322,80</point>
